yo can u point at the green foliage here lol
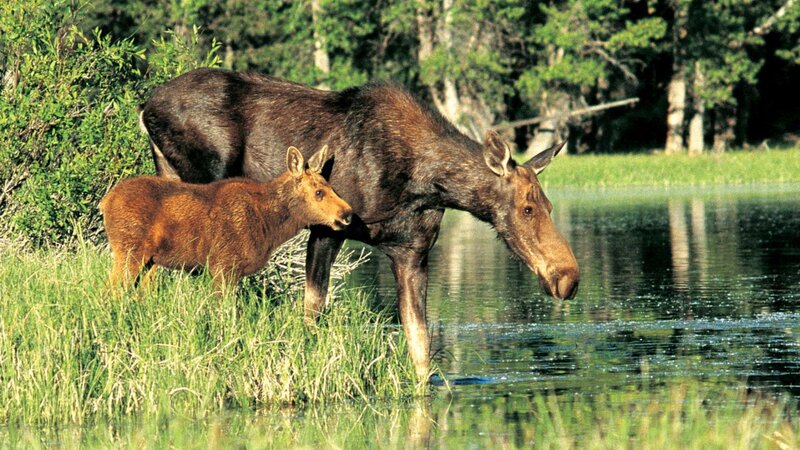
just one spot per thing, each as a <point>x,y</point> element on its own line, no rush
<point>476,58</point>
<point>718,41</point>
<point>68,122</point>
<point>580,42</point>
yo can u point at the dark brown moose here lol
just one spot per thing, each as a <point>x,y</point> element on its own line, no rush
<point>398,163</point>
<point>230,226</point>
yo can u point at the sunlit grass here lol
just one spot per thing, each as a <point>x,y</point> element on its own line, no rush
<point>730,168</point>
<point>70,350</point>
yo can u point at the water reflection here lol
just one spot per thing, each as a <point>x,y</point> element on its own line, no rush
<point>688,285</point>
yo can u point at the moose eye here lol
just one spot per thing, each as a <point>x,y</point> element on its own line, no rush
<point>319,194</point>
<point>527,211</point>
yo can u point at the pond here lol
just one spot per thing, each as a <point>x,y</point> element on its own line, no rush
<point>674,285</point>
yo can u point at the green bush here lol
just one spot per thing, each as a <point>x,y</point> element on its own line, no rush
<point>68,121</point>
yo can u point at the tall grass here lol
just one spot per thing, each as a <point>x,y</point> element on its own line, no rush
<point>71,350</point>
<point>736,167</point>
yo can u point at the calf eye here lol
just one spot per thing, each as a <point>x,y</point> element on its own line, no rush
<point>319,194</point>
<point>528,210</point>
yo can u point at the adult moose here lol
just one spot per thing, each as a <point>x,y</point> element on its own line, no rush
<point>396,162</point>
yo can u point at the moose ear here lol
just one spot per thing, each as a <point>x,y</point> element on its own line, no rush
<point>318,160</point>
<point>542,159</point>
<point>295,162</point>
<point>496,153</point>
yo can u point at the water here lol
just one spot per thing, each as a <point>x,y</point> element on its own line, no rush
<point>674,286</point>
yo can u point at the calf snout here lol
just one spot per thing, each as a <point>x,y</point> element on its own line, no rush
<point>344,219</point>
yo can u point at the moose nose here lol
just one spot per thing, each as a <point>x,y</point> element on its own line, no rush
<point>346,218</point>
<point>562,286</point>
<point>567,287</point>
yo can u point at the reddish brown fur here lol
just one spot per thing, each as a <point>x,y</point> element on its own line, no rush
<point>230,226</point>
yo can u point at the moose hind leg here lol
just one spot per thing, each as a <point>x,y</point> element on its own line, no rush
<point>126,268</point>
<point>321,253</point>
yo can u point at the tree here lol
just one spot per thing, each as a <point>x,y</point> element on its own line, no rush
<point>718,46</point>
<point>462,60</point>
<point>579,51</point>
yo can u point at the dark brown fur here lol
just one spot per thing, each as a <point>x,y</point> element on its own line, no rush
<point>231,226</point>
<point>398,163</point>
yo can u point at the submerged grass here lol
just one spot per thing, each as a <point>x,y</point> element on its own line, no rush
<point>686,416</point>
<point>71,351</point>
<point>730,168</point>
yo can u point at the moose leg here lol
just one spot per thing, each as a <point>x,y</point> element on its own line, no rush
<point>323,246</point>
<point>411,273</point>
<point>126,268</point>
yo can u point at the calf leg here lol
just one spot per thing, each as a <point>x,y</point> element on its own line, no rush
<point>323,246</point>
<point>126,267</point>
<point>224,279</point>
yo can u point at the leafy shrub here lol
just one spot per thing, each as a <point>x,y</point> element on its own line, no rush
<point>68,120</point>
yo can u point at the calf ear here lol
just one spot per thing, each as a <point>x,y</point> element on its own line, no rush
<point>496,153</point>
<point>541,160</point>
<point>295,162</point>
<point>318,160</point>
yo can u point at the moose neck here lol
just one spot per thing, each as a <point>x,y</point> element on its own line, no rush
<point>464,181</point>
<point>279,209</point>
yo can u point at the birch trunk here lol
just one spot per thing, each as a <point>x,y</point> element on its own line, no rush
<point>550,131</point>
<point>456,102</point>
<point>676,97</point>
<point>553,104</point>
<point>676,91</point>
<point>321,59</point>
<point>696,128</point>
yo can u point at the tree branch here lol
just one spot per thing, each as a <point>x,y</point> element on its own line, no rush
<point>616,63</point>
<point>577,112</point>
<point>767,25</point>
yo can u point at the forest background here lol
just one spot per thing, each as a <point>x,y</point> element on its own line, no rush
<point>708,76</point>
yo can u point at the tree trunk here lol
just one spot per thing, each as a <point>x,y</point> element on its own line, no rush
<point>321,59</point>
<point>676,96</point>
<point>458,103</point>
<point>696,128</point>
<point>676,91</point>
<point>724,128</point>
<point>227,61</point>
<point>555,105</point>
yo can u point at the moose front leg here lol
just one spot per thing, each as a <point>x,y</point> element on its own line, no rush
<point>411,273</point>
<point>323,246</point>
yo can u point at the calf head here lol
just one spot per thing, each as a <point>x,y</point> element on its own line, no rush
<point>521,216</point>
<point>319,203</point>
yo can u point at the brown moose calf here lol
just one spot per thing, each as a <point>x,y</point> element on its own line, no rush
<point>230,226</point>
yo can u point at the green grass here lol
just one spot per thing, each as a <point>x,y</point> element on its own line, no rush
<point>730,168</point>
<point>71,351</point>
<point>677,417</point>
